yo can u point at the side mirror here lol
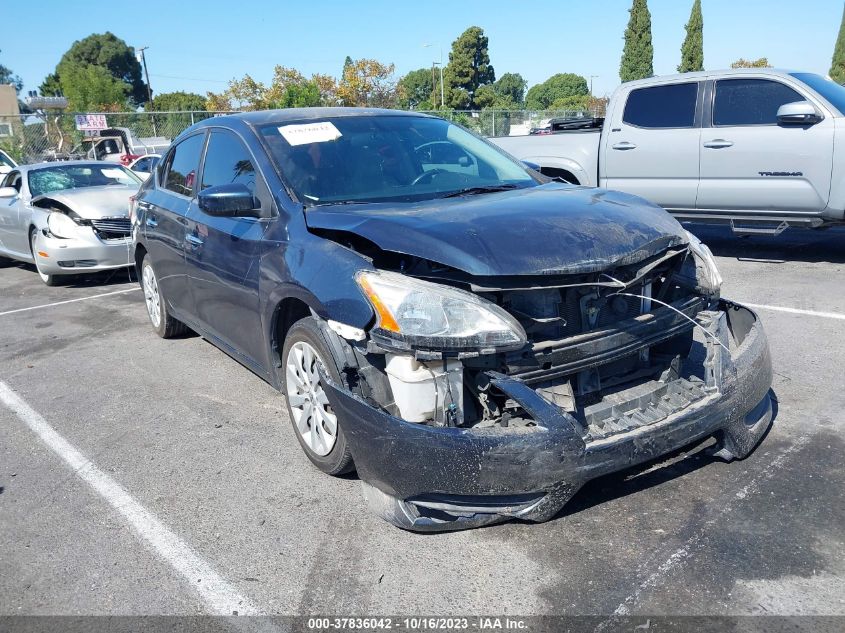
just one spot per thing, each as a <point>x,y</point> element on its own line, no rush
<point>8,192</point>
<point>229,201</point>
<point>531,165</point>
<point>799,113</point>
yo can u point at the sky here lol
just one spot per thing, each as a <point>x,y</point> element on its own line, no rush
<point>197,46</point>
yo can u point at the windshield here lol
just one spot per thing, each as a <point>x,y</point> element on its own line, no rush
<point>351,159</point>
<point>828,89</point>
<point>61,177</point>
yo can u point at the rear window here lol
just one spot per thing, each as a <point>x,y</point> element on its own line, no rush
<point>750,101</point>
<point>671,106</point>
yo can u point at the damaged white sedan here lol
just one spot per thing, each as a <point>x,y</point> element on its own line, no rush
<point>67,218</point>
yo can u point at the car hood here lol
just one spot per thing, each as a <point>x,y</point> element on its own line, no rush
<point>545,230</point>
<point>92,203</point>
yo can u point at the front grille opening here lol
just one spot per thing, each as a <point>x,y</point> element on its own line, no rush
<point>112,228</point>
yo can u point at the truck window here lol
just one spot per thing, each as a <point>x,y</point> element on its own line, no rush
<point>670,106</point>
<point>750,101</point>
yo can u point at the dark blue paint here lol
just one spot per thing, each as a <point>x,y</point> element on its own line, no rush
<point>226,276</point>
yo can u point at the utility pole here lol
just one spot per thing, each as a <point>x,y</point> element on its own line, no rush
<point>140,52</point>
<point>440,63</point>
<point>591,83</point>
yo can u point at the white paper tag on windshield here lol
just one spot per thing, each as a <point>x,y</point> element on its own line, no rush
<point>305,133</point>
<point>117,174</point>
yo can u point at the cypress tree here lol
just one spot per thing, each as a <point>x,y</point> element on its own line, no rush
<point>638,54</point>
<point>837,65</point>
<point>692,51</point>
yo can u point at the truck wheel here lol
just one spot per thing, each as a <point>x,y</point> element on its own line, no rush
<point>163,324</point>
<point>317,428</point>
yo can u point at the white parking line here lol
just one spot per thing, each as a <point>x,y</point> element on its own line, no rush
<point>60,303</point>
<point>220,596</point>
<point>728,505</point>
<point>824,315</point>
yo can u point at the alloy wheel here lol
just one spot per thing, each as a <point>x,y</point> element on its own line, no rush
<point>151,295</point>
<point>315,421</point>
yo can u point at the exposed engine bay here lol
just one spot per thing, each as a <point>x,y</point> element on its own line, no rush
<point>614,349</point>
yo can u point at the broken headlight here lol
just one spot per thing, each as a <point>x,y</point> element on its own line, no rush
<point>61,225</point>
<point>415,313</point>
<point>707,274</point>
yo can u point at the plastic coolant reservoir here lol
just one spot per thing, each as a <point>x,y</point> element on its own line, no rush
<point>425,391</point>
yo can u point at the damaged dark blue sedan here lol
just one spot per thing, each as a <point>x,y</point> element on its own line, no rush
<point>476,341</point>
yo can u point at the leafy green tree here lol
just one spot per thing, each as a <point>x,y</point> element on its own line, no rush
<point>638,53</point>
<point>101,50</point>
<point>837,65</point>
<point>179,102</point>
<point>763,62</point>
<point>555,88</point>
<point>93,89</point>
<point>8,77</point>
<point>299,95</point>
<point>511,86</point>
<point>468,69</point>
<point>415,89</point>
<point>692,50</point>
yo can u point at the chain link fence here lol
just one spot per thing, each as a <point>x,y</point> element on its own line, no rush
<point>31,138</point>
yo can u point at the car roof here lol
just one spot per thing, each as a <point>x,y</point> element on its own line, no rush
<point>65,163</point>
<point>263,117</point>
<point>706,74</point>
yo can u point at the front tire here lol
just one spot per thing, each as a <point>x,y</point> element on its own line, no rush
<point>163,323</point>
<point>315,424</point>
<point>49,280</point>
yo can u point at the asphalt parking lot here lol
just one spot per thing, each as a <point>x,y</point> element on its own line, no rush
<point>237,519</point>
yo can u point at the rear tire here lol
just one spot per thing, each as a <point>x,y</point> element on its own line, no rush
<point>49,280</point>
<point>163,323</point>
<point>318,430</point>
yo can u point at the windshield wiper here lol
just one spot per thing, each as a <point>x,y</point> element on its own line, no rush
<point>472,191</point>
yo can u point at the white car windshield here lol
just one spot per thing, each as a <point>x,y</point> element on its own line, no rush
<point>60,177</point>
<point>383,158</point>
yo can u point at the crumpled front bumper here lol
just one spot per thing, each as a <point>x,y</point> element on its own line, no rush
<point>431,478</point>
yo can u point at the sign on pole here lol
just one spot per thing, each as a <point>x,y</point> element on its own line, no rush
<point>90,122</point>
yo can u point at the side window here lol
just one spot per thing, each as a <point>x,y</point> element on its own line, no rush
<point>142,165</point>
<point>227,161</point>
<point>671,106</point>
<point>750,101</point>
<point>182,164</point>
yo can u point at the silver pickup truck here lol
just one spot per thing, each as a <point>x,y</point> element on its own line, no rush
<point>759,149</point>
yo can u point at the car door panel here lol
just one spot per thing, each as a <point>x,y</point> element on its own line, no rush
<point>651,149</point>
<point>223,254</point>
<point>750,163</point>
<point>164,212</point>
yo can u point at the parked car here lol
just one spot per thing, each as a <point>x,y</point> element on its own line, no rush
<point>67,218</point>
<point>144,165</point>
<point>7,164</point>
<point>476,341</point>
<point>754,148</point>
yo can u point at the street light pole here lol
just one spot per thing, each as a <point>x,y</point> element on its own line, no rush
<point>440,63</point>
<point>140,51</point>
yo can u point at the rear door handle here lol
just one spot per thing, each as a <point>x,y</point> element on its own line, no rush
<point>193,240</point>
<point>624,145</point>
<point>718,143</point>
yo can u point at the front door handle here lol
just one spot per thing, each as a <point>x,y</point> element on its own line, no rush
<point>718,143</point>
<point>193,240</point>
<point>624,145</point>
<point>151,221</point>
